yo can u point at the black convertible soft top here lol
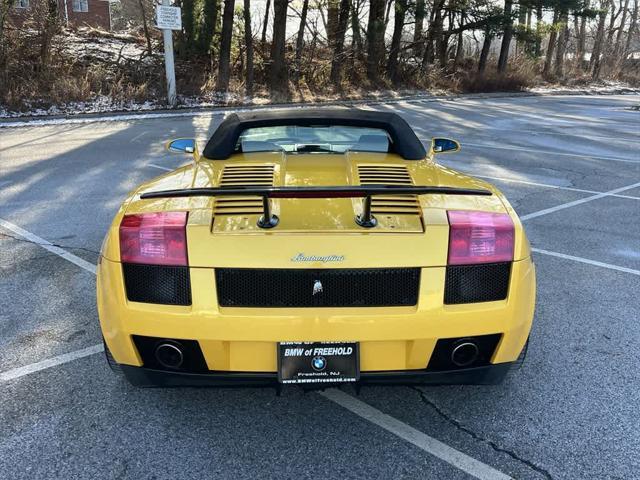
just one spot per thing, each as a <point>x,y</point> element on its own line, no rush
<point>223,142</point>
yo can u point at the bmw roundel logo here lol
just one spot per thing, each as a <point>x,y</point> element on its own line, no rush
<point>319,363</point>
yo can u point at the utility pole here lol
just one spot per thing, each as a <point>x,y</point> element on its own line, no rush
<point>169,18</point>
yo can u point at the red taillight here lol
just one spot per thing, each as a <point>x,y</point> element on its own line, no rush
<point>154,238</point>
<point>479,237</point>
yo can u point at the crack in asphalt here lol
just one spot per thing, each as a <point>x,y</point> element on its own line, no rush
<point>456,423</point>
<point>50,244</point>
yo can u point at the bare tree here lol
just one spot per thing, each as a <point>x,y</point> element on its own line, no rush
<point>434,32</point>
<point>263,38</point>
<point>506,37</point>
<point>595,62</point>
<point>418,48</point>
<point>563,38</point>
<point>375,39</point>
<point>300,38</point>
<point>618,47</point>
<point>248,40</point>
<point>278,75</point>
<point>209,21</point>
<point>398,25</point>
<point>336,60</point>
<point>484,54</point>
<point>551,45</point>
<point>633,28</point>
<point>224,67</point>
<point>49,28</point>
<point>356,28</point>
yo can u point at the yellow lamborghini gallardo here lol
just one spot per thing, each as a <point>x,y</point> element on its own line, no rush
<point>315,247</point>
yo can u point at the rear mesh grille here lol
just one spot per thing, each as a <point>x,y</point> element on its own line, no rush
<point>389,175</point>
<point>167,285</point>
<point>477,283</point>
<point>243,176</point>
<point>339,287</point>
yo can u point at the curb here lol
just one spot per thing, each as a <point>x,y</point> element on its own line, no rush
<point>110,116</point>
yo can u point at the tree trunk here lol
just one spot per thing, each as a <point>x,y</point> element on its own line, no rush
<point>551,46</point>
<point>333,14</point>
<point>418,49</point>
<point>300,39</point>
<point>263,38</point>
<point>224,63</point>
<point>49,30</point>
<point>187,26</point>
<point>340,31</point>
<point>595,62</point>
<point>387,13</point>
<point>460,42</point>
<point>442,41</point>
<point>375,39</point>
<point>484,54</point>
<point>355,30</point>
<point>581,32</point>
<point>506,37</point>
<point>248,40</point>
<point>632,29</point>
<point>537,49</point>
<point>5,5</point>
<point>398,24</point>
<point>434,31</point>
<point>617,51</point>
<point>279,78</point>
<point>522,21</point>
<point>209,23</point>
<point>145,26</point>
<point>563,37</point>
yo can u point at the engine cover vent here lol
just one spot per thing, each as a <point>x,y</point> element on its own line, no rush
<point>384,174</point>
<point>389,175</point>
<point>247,175</point>
<point>243,176</point>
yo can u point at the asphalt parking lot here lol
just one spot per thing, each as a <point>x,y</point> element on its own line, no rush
<point>570,165</point>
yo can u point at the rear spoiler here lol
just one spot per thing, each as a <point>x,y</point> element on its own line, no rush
<point>269,220</point>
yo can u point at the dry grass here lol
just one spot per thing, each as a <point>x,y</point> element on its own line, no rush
<point>84,73</point>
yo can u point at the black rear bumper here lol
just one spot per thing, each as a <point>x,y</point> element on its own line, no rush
<point>146,377</point>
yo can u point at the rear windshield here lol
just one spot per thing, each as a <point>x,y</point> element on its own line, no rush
<point>313,139</point>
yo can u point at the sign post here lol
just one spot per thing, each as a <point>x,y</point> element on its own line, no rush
<point>169,18</point>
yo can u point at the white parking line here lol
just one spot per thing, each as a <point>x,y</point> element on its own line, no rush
<point>548,152</point>
<point>140,135</point>
<point>50,362</point>
<point>562,206</point>
<point>161,168</point>
<point>587,261</point>
<point>546,185</point>
<point>47,245</point>
<point>421,440</point>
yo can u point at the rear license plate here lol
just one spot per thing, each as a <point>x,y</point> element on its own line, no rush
<point>318,362</point>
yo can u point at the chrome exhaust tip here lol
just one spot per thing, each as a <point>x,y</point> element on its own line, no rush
<point>464,353</point>
<point>169,355</point>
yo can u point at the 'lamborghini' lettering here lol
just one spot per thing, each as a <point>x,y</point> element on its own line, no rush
<point>301,257</point>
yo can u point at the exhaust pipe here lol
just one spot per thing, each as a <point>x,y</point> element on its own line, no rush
<point>464,353</point>
<point>169,355</point>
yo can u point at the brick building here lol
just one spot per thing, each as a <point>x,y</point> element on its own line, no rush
<point>78,13</point>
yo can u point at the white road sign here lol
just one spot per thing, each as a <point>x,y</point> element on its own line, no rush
<point>168,18</point>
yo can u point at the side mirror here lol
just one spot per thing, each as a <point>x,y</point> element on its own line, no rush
<point>444,145</point>
<point>181,145</point>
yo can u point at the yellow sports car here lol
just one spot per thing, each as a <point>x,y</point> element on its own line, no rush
<point>315,247</point>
